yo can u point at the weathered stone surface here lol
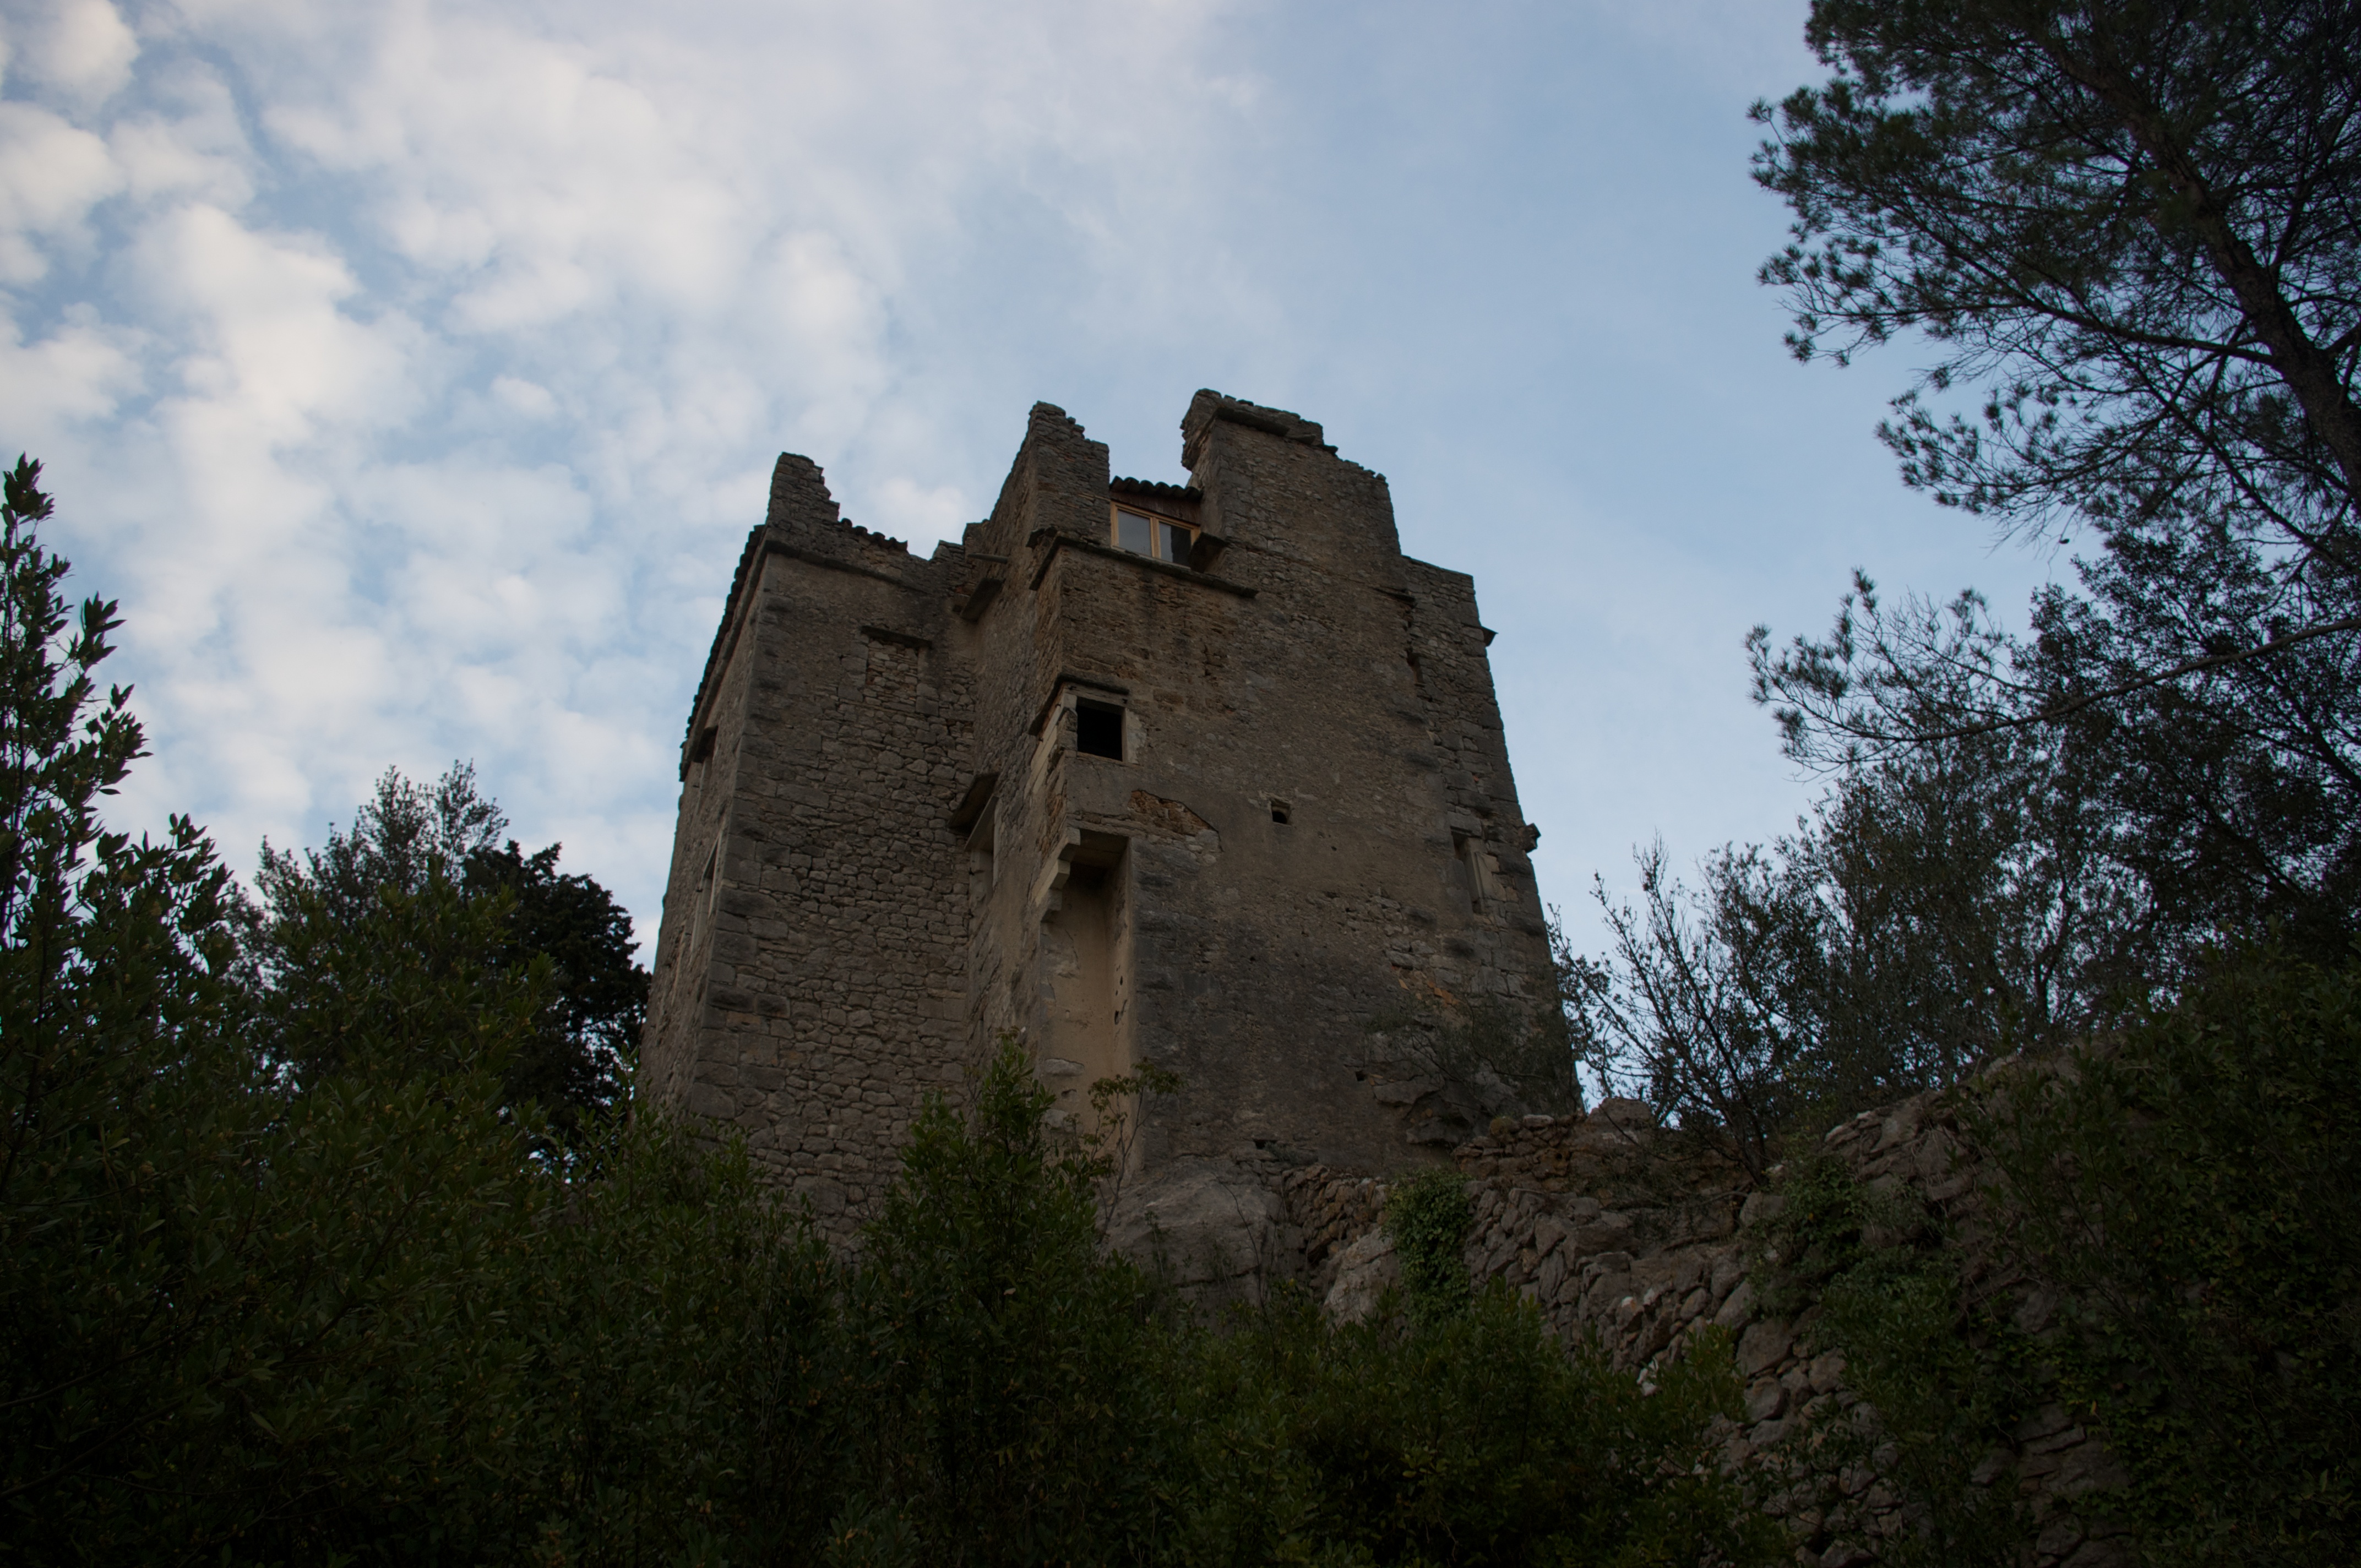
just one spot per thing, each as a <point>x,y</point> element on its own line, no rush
<point>1637,1246</point>
<point>1763,1346</point>
<point>1246,815</point>
<point>1215,1228</point>
<point>1365,1272</point>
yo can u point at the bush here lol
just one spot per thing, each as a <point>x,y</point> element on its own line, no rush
<point>1427,1218</point>
<point>2182,1191</point>
<point>2189,1195</point>
<point>1472,1440</point>
<point>1948,1374</point>
<point>237,1317</point>
<point>1009,1407</point>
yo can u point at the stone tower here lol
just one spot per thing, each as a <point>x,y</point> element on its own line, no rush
<point>1210,776</point>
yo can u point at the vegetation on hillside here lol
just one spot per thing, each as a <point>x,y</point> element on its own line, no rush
<point>324,1234</point>
<point>2125,842</point>
<point>2131,234</point>
<point>314,1247</point>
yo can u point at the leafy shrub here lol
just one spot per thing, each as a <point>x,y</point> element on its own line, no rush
<point>686,1392</point>
<point>1008,1397</point>
<point>1427,1218</point>
<point>231,1315</point>
<point>2183,1194</point>
<point>1475,1439</point>
<point>2188,1194</point>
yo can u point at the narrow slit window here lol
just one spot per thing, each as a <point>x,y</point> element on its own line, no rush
<point>1470,852</point>
<point>1098,729</point>
<point>708,892</point>
<point>1480,873</point>
<point>983,871</point>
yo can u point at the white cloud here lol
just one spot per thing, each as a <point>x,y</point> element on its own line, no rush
<point>77,375</point>
<point>51,174</point>
<point>413,369</point>
<point>81,47</point>
<point>529,398</point>
<point>907,509</point>
<point>265,335</point>
<point>420,365</point>
<point>184,142</point>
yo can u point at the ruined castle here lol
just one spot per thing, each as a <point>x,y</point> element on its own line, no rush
<point>1209,776</point>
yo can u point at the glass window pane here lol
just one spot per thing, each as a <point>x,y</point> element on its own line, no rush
<point>1171,542</point>
<point>1131,532</point>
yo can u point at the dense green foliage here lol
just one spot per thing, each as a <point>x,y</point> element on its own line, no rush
<point>1475,1439</point>
<point>1427,1218</point>
<point>226,1309</point>
<point>1012,1388</point>
<point>2188,1193</point>
<point>423,860</point>
<point>289,1273</point>
<point>2183,1195</point>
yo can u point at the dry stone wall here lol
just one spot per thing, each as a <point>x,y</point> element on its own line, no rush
<point>1614,1230</point>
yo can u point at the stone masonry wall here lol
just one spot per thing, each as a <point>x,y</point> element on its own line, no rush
<point>809,987</point>
<point>1614,1234</point>
<point>1303,855</point>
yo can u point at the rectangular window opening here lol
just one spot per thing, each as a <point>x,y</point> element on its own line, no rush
<point>1098,729</point>
<point>1159,537</point>
<point>1280,812</point>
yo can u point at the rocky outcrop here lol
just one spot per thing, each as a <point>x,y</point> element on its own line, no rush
<point>1216,1229</point>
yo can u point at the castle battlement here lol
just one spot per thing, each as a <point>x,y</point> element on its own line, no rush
<point>1208,776</point>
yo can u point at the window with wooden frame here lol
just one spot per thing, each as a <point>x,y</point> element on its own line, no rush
<point>1144,533</point>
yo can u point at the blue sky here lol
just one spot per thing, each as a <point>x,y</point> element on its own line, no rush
<point>411,372</point>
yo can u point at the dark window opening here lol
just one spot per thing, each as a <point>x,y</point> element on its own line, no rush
<point>708,893</point>
<point>1098,729</point>
<point>1280,812</point>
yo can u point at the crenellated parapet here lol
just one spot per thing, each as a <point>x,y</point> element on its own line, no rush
<point>1207,776</point>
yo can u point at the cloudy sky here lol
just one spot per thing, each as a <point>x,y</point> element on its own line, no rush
<point>412,371</point>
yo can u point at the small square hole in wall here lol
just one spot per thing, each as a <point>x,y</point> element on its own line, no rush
<point>1098,729</point>
<point>1282,813</point>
